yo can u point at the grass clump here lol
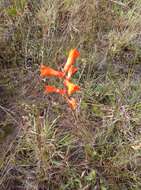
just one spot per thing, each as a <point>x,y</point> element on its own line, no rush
<point>50,147</point>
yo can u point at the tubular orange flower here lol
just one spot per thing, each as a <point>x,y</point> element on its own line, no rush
<point>47,71</point>
<point>53,89</point>
<point>66,74</point>
<point>74,53</point>
<point>71,71</point>
<point>72,103</point>
<point>71,87</point>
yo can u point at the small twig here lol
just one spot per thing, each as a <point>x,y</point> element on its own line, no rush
<point>8,112</point>
<point>119,3</point>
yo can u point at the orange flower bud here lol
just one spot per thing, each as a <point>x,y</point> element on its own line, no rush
<point>72,103</point>
<point>71,71</point>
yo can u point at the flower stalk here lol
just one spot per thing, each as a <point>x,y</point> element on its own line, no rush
<point>68,71</point>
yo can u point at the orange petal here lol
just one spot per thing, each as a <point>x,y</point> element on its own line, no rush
<point>71,87</point>
<point>72,103</point>
<point>74,53</point>
<point>47,71</point>
<point>53,89</point>
<point>71,71</point>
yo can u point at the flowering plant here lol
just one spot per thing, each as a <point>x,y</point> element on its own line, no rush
<point>68,71</point>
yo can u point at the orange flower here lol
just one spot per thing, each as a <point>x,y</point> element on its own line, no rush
<point>74,53</point>
<point>71,87</point>
<point>66,74</point>
<point>47,71</point>
<point>53,89</point>
<point>72,103</point>
<point>71,71</point>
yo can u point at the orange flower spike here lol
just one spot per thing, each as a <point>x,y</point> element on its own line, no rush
<point>72,103</point>
<point>71,72</point>
<point>71,87</point>
<point>74,53</point>
<point>53,89</point>
<point>47,71</point>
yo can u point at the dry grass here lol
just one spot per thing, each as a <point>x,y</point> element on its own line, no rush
<point>98,146</point>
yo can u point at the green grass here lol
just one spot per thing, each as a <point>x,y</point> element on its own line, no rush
<point>97,146</point>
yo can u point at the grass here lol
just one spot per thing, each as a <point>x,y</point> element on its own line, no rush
<point>50,147</point>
